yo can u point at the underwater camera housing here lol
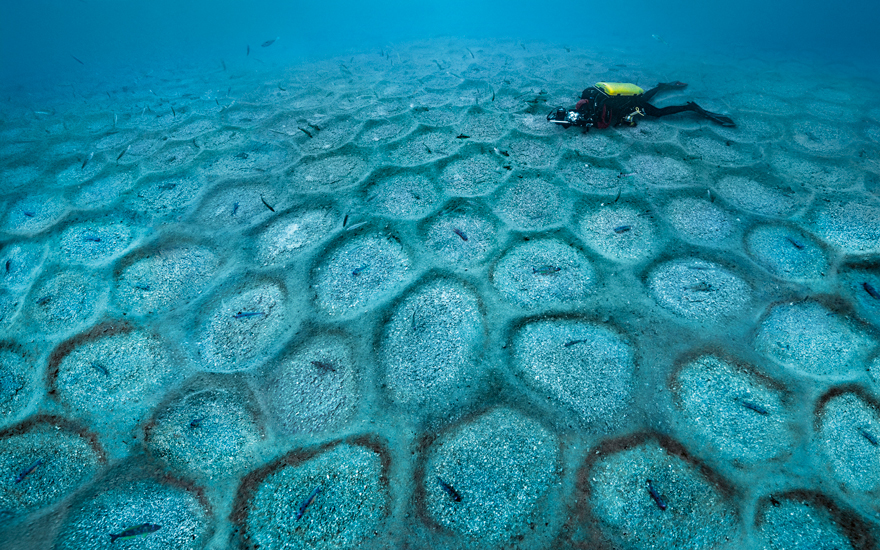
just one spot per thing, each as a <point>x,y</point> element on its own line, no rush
<point>565,117</point>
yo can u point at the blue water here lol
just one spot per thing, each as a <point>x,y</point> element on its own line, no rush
<point>38,37</point>
<point>325,276</point>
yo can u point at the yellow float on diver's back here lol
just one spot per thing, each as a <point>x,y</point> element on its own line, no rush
<point>619,88</point>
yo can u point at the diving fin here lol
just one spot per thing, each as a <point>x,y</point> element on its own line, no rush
<point>720,119</point>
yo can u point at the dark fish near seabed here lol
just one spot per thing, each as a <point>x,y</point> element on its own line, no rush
<point>136,531</point>
<point>92,154</point>
<point>622,228</point>
<point>871,290</point>
<point>323,365</point>
<point>246,314</point>
<point>266,203</point>
<point>462,136</point>
<point>453,494</point>
<point>795,243</point>
<point>869,436</point>
<point>28,470</point>
<point>248,49</point>
<point>754,407</point>
<point>306,502</point>
<point>546,270</point>
<point>573,342</point>
<point>658,500</point>
<point>268,43</point>
<point>100,368</point>
<point>460,233</point>
<point>122,153</point>
<point>77,59</point>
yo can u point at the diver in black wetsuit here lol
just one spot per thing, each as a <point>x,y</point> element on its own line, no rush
<point>613,103</point>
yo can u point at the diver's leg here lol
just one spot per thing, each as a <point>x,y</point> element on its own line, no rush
<point>650,110</point>
<point>663,86</point>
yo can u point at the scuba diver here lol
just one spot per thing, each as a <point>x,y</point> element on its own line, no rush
<point>615,103</point>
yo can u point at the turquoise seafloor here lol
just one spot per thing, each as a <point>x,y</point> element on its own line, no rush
<point>378,301</point>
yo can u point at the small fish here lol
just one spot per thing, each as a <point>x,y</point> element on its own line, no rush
<point>493,95</point>
<point>77,59</point>
<point>507,167</point>
<point>709,194</point>
<point>280,87</point>
<point>430,152</point>
<point>100,368</point>
<point>173,112</point>
<point>355,226</point>
<point>8,265</point>
<point>502,153</point>
<point>241,155</point>
<point>871,290</point>
<point>92,239</point>
<point>196,422</point>
<point>460,233</point>
<point>44,300</point>
<point>617,198</point>
<point>470,52</point>
<point>266,203</point>
<point>574,342</point>
<point>306,502</point>
<point>622,229</point>
<point>234,208</point>
<point>438,64</point>
<point>306,132</point>
<point>92,154</point>
<point>462,136</point>
<point>546,269</point>
<point>344,68</point>
<point>142,287</point>
<point>869,436</point>
<point>323,365</point>
<point>248,49</point>
<point>28,470</point>
<point>314,126</point>
<point>268,43</point>
<point>626,174</point>
<point>453,494</point>
<point>246,314</point>
<point>702,286</point>
<point>795,243</point>
<point>29,213</point>
<point>223,63</point>
<point>658,39</point>
<point>345,220</point>
<point>754,407</point>
<point>137,530</point>
<point>122,153</point>
<point>358,270</point>
<point>658,500</point>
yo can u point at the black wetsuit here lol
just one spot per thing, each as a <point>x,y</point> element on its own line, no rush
<point>596,108</point>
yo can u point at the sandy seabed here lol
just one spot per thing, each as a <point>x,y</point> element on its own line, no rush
<point>378,301</point>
